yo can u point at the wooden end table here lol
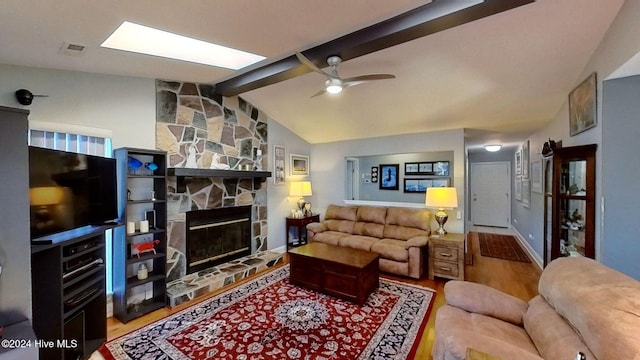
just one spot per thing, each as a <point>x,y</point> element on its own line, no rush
<point>301,225</point>
<point>345,273</point>
<point>446,256</point>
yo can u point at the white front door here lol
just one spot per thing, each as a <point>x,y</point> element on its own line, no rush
<point>491,194</point>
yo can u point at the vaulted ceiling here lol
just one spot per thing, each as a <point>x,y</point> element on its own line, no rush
<point>502,76</point>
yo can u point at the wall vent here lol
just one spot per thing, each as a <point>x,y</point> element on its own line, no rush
<point>72,49</point>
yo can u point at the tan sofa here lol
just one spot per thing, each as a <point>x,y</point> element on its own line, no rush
<point>582,306</point>
<point>398,235</point>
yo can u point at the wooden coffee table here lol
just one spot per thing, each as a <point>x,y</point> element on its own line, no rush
<point>345,273</point>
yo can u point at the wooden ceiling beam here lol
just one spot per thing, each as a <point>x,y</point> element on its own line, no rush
<point>405,27</point>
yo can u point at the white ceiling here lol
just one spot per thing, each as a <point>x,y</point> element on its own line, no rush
<point>503,76</point>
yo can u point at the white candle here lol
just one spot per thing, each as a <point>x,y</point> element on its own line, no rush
<point>131,227</point>
<point>144,226</point>
<point>259,152</point>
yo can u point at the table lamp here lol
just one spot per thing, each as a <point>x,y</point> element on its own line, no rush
<point>300,189</point>
<point>441,198</point>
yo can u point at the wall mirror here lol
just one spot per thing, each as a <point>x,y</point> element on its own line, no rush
<point>397,177</point>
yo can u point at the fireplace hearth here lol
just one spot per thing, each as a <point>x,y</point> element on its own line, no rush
<point>216,236</point>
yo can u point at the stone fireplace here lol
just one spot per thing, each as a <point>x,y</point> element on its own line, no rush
<point>195,126</point>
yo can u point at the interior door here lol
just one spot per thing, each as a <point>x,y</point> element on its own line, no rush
<point>491,194</point>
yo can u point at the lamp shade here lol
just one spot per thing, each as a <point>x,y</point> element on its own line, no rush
<point>48,195</point>
<point>300,188</point>
<point>441,197</point>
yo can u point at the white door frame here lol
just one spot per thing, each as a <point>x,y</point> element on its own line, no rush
<point>352,178</point>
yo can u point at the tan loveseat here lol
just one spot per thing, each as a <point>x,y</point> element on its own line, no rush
<point>582,306</point>
<point>398,235</point>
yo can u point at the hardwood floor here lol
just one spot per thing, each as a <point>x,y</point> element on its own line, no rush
<point>516,278</point>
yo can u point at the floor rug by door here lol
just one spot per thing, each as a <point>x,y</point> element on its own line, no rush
<point>267,318</point>
<point>501,246</point>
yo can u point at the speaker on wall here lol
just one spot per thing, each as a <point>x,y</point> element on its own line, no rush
<point>150,216</point>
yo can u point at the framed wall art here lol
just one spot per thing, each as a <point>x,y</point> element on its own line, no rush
<point>279,165</point>
<point>536,177</point>
<point>525,160</point>
<point>437,168</point>
<point>299,164</point>
<point>518,161</point>
<point>582,106</point>
<point>518,187</point>
<point>389,177</point>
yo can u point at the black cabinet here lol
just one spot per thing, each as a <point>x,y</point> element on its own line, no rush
<point>69,293</point>
<point>140,247</point>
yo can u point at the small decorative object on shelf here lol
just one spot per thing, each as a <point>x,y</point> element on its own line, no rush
<point>216,164</point>
<point>191,157</point>
<point>307,209</point>
<point>133,164</point>
<point>153,195</point>
<point>143,272</point>
<point>141,248</point>
<point>151,166</point>
<point>258,165</point>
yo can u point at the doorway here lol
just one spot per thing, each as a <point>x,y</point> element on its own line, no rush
<point>352,189</point>
<point>491,194</point>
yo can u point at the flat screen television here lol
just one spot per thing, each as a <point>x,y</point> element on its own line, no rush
<point>69,190</point>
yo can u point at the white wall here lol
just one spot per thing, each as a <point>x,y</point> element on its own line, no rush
<point>328,164</point>
<point>125,105</point>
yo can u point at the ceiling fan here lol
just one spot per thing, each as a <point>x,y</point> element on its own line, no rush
<point>334,83</point>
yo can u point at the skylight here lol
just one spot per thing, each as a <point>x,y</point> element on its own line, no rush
<point>145,40</point>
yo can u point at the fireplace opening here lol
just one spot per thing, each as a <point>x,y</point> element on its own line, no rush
<point>216,236</point>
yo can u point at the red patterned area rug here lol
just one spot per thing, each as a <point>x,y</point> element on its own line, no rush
<point>267,318</point>
<point>501,246</point>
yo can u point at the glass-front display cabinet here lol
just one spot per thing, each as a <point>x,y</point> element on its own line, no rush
<point>570,202</point>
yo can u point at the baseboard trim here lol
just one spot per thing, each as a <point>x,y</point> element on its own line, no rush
<point>532,254</point>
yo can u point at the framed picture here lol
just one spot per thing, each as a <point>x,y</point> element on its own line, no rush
<point>411,169</point>
<point>299,164</point>
<point>536,177</point>
<point>525,160</point>
<point>279,165</point>
<point>518,187</point>
<point>526,193</point>
<point>518,162</point>
<point>440,183</point>
<point>389,177</point>
<point>374,174</point>
<point>441,168</point>
<point>425,168</point>
<point>582,106</point>
<point>416,185</point>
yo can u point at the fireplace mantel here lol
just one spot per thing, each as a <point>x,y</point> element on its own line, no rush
<point>182,173</point>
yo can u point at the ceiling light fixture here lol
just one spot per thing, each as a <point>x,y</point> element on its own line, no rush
<point>492,148</point>
<point>145,40</point>
<point>333,86</point>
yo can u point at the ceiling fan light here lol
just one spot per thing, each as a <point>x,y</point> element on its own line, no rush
<point>492,148</point>
<point>333,86</point>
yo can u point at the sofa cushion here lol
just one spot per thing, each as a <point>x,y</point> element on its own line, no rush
<point>457,330</point>
<point>369,229</point>
<point>329,237</point>
<point>357,242</point>
<point>551,334</point>
<point>402,232</point>
<point>371,214</point>
<point>344,226</point>
<point>601,304</point>
<point>341,212</point>
<point>391,249</point>
<point>415,218</point>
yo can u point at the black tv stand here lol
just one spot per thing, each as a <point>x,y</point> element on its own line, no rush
<point>69,292</point>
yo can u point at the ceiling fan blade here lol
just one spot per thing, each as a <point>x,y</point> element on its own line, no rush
<point>303,59</point>
<point>319,93</point>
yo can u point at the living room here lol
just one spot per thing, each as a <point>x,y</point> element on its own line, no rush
<point>126,106</point>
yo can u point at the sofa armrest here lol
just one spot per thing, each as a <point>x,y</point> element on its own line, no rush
<point>314,228</point>
<point>481,299</point>
<point>418,241</point>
